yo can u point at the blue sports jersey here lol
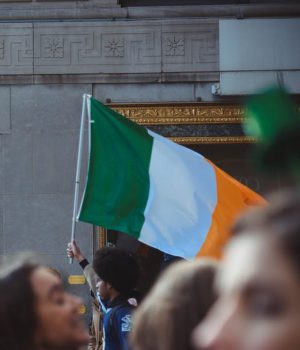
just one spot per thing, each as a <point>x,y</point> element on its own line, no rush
<point>117,324</point>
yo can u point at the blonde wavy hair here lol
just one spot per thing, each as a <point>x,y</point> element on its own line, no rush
<point>178,301</point>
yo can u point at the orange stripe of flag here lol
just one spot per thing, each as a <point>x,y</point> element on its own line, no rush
<point>232,199</point>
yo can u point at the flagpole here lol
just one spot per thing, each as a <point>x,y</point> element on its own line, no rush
<point>78,167</point>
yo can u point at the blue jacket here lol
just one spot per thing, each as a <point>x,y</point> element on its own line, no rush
<point>117,324</point>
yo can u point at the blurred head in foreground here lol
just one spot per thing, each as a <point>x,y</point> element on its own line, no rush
<point>177,303</point>
<point>35,312</point>
<point>259,283</point>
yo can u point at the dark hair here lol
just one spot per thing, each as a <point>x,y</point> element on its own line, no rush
<point>279,219</point>
<point>117,267</point>
<point>18,319</point>
<point>179,300</point>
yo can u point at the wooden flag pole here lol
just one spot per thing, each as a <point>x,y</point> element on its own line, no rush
<point>78,168</point>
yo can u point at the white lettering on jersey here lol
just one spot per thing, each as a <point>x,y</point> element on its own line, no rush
<point>126,325</point>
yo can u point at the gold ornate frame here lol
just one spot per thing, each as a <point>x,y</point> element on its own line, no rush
<point>101,237</point>
<point>187,113</point>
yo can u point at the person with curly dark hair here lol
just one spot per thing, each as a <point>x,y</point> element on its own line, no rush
<point>118,274</point>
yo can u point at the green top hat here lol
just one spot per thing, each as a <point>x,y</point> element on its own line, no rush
<point>274,120</point>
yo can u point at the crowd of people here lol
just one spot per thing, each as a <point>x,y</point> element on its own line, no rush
<point>247,301</point>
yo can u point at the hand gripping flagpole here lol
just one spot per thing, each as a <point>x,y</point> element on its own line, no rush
<point>78,167</point>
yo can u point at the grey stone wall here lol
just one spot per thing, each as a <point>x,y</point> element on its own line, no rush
<point>37,172</point>
<point>38,147</point>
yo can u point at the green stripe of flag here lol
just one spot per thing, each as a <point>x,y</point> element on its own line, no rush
<point>118,178</point>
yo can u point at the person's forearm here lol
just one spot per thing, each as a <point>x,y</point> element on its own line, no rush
<point>90,275</point>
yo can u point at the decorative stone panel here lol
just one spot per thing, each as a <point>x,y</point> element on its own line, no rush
<point>177,50</point>
<point>83,48</point>
<point>16,48</point>
<point>5,118</point>
<point>109,47</point>
<point>190,47</point>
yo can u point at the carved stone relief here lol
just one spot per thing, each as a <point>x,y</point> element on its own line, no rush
<point>114,47</point>
<point>16,49</point>
<point>93,48</point>
<point>174,45</point>
<point>1,49</point>
<point>53,46</point>
<point>191,47</point>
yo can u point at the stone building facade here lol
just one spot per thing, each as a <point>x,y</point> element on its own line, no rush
<point>167,62</point>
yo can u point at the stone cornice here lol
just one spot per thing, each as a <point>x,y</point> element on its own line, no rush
<point>107,9</point>
<point>288,9</point>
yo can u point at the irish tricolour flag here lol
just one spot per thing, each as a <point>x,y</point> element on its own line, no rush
<point>157,191</point>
